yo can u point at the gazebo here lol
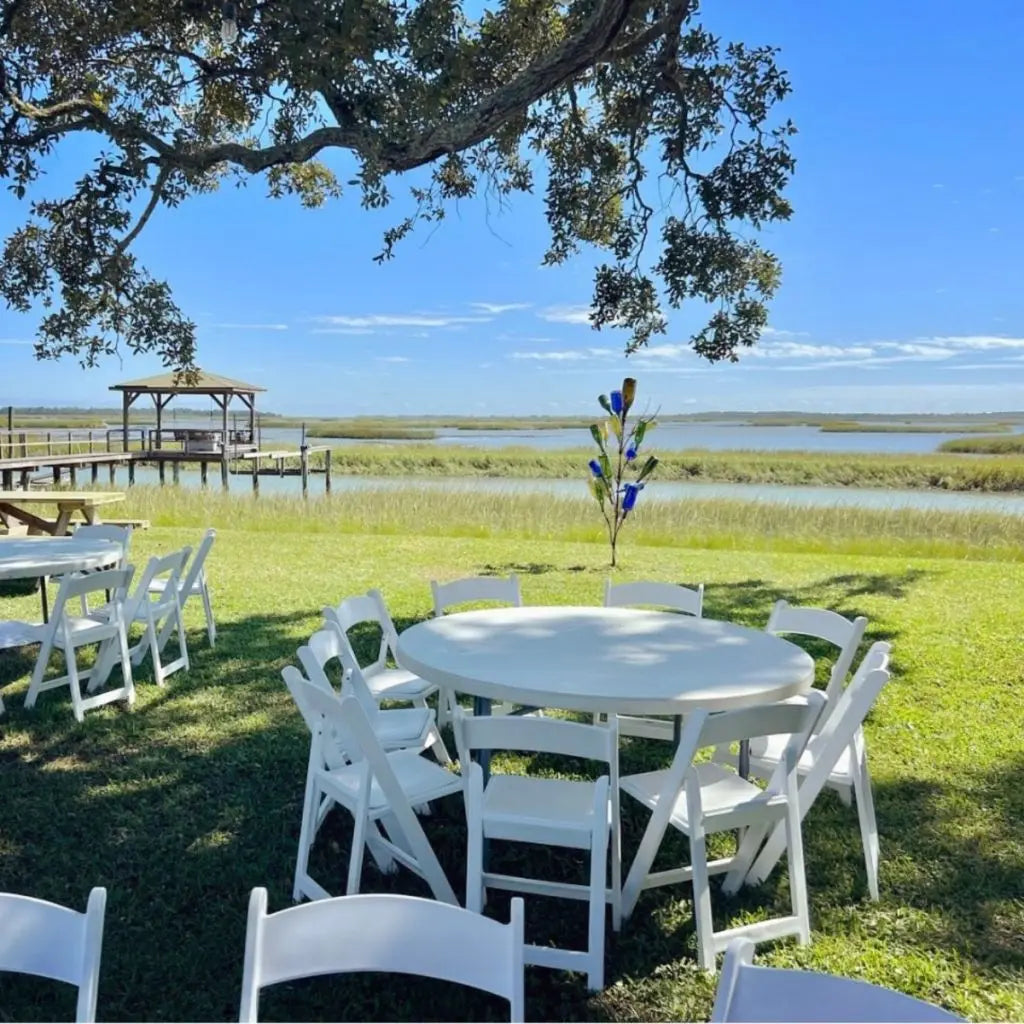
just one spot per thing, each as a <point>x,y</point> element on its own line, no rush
<point>165,386</point>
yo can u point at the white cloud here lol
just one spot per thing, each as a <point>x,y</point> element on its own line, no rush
<point>566,314</point>
<point>780,332</point>
<point>565,356</point>
<point>251,327</point>
<point>373,321</point>
<point>392,359</point>
<point>803,350</point>
<point>499,307</point>
<point>361,331</point>
<point>15,341</point>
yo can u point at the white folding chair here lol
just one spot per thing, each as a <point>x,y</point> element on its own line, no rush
<point>835,757</point>
<point>672,596</point>
<point>398,729</point>
<point>378,789</point>
<point>401,934</point>
<point>385,682</point>
<point>55,942</point>
<point>568,813</point>
<point>105,625</point>
<point>771,994</point>
<point>155,610</point>
<point>192,584</point>
<point>473,590</point>
<point>699,799</point>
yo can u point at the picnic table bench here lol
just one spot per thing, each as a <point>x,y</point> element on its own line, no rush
<point>14,506</point>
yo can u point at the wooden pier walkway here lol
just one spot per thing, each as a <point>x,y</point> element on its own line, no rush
<point>63,455</point>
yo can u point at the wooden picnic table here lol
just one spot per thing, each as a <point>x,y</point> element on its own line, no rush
<point>13,506</point>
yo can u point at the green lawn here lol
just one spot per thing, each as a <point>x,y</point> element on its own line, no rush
<point>182,805</point>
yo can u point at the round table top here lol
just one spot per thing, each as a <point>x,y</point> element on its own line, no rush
<point>32,557</point>
<point>624,660</point>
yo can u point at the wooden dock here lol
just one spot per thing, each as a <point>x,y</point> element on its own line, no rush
<point>63,455</point>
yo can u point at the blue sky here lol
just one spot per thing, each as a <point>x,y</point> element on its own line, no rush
<point>902,286</point>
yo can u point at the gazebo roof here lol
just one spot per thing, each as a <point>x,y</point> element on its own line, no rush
<point>205,383</point>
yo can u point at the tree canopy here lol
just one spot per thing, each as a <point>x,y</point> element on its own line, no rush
<point>652,139</point>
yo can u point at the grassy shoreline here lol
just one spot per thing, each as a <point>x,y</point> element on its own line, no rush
<point>943,471</point>
<point>709,524</point>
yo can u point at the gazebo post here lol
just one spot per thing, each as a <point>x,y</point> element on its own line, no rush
<point>125,403</point>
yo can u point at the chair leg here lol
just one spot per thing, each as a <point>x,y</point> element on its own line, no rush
<point>154,650</point>
<point>797,875</point>
<point>126,665</point>
<point>38,672</point>
<point>307,833</point>
<point>211,626</point>
<point>182,639</point>
<point>702,899</point>
<point>595,923</point>
<point>355,860</point>
<point>868,824</point>
<point>475,894</point>
<point>71,660</point>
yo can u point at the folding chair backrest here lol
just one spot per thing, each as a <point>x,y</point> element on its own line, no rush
<point>750,993</point>
<point>312,711</point>
<point>51,941</point>
<point>159,566</point>
<point>403,934</point>
<point>107,531</point>
<point>702,729</point>
<point>196,566</point>
<point>476,588</point>
<point>853,704</point>
<point>536,735</point>
<point>663,595</point>
<point>76,585</point>
<point>368,607</point>
<point>325,646</point>
<point>822,624</point>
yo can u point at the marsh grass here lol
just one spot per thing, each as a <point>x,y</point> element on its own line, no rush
<point>986,445</point>
<point>833,469</point>
<point>184,803</point>
<point>714,524</point>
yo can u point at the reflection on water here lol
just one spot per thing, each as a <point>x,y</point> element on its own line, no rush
<point>663,490</point>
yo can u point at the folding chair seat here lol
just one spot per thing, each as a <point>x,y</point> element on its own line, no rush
<point>379,789</point>
<point>836,756</point>
<point>671,596</point>
<point>473,590</point>
<point>192,583</point>
<point>385,682</point>
<point>577,815</point>
<point>55,942</point>
<point>120,535</point>
<point>699,799</point>
<point>396,729</point>
<point>106,626</point>
<point>402,934</point>
<point>749,993</point>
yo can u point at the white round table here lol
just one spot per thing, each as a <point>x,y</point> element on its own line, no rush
<point>39,557</point>
<point>621,660</point>
<point>35,557</point>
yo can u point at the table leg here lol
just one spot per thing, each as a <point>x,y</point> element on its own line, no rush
<point>743,764</point>
<point>60,527</point>
<point>42,599</point>
<point>482,706</point>
<point>677,730</point>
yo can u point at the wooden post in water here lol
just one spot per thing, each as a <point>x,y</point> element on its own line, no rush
<point>56,474</point>
<point>224,473</point>
<point>304,462</point>
<point>95,472</point>
<point>327,471</point>
<point>176,472</point>
<point>8,480</point>
<point>24,479</point>
<point>203,467</point>
<point>113,472</point>
<point>131,472</point>
<point>73,473</point>
<point>162,470</point>
<point>256,474</point>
